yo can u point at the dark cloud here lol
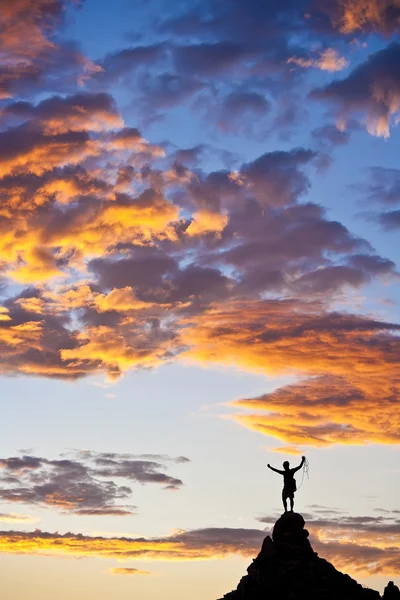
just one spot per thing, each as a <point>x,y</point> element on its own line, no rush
<point>38,152</point>
<point>372,264</point>
<point>146,268</point>
<point>390,220</point>
<point>276,177</point>
<point>35,59</point>
<point>330,135</point>
<point>75,112</point>
<point>212,49</point>
<point>122,63</point>
<point>372,90</point>
<point>329,279</point>
<point>239,112</point>
<point>383,187</point>
<point>209,59</point>
<point>83,485</point>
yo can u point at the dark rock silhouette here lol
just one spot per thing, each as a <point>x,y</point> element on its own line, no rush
<point>287,568</point>
<point>391,592</point>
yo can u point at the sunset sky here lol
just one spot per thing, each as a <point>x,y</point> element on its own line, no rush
<point>199,250</point>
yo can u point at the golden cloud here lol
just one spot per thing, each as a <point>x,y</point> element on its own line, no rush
<point>207,222</point>
<point>114,350</point>
<point>128,571</point>
<point>356,15</point>
<point>202,545</point>
<point>349,362</point>
<point>357,549</point>
<point>329,60</point>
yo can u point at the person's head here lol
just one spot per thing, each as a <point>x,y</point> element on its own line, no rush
<point>286,465</point>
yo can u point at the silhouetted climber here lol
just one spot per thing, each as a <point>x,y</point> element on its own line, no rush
<point>289,482</point>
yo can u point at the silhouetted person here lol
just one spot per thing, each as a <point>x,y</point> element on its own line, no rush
<point>289,482</point>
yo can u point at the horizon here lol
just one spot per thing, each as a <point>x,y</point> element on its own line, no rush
<point>199,276</point>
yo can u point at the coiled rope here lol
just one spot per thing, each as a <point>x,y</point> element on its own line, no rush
<point>306,468</point>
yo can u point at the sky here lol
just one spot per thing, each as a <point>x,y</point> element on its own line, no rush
<point>199,248</point>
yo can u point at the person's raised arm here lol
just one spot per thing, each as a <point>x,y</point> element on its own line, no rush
<point>303,458</point>
<point>276,470</point>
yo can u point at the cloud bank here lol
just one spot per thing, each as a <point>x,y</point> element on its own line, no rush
<point>83,484</point>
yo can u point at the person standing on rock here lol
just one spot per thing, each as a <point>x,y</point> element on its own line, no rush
<point>289,482</point>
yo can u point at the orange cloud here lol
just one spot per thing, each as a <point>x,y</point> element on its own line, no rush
<point>358,15</point>
<point>25,333</point>
<point>122,299</point>
<point>4,314</point>
<point>351,362</point>
<point>116,350</point>
<point>335,542</point>
<point>128,571</point>
<point>41,244</point>
<point>324,411</point>
<point>38,153</point>
<point>329,60</point>
<point>152,255</point>
<point>207,222</point>
<point>288,450</point>
<point>192,545</point>
<point>21,22</point>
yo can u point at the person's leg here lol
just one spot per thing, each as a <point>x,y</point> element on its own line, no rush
<point>291,503</point>
<point>284,500</point>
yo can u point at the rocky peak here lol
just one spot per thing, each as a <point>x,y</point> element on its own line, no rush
<point>391,592</point>
<point>287,568</point>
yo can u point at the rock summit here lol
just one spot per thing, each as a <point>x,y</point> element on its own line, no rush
<point>287,568</point>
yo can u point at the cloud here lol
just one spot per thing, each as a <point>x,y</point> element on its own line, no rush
<point>34,59</point>
<point>117,65</point>
<point>83,484</point>
<point>331,135</point>
<point>383,186</point>
<point>119,253</point>
<point>348,360</point>
<point>371,90</point>
<point>288,450</point>
<point>325,411</point>
<point>247,235</point>
<point>35,152</point>
<point>390,220</point>
<point>56,115</point>
<point>206,222</point>
<point>201,544</point>
<point>383,189</point>
<point>128,571</point>
<point>366,15</point>
<point>239,112</point>
<point>376,552</point>
<point>329,60</point>
<point>220,61</point>
<point>16,518</point>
